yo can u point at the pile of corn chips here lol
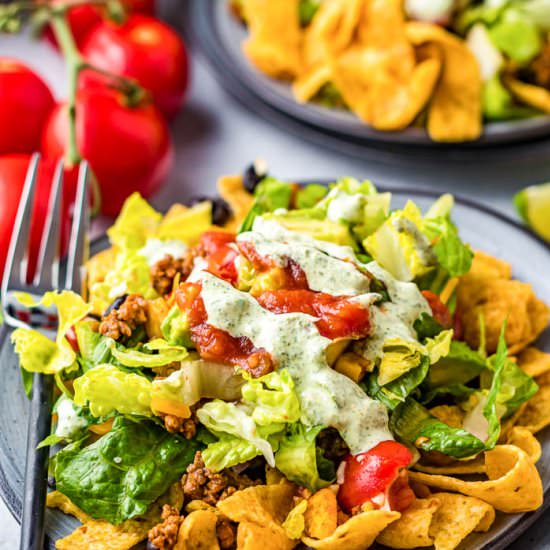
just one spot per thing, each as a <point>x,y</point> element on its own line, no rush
<point>453,499</point>
<point>392,73</point>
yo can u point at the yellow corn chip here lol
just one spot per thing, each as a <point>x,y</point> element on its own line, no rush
<point>198,532</point>
<point>534,362</point>
<point>454,113</point>
<point>251,536</point>
<point>294,523</point>
<point>514,483</point>
<point>274,43</point>
<point>456,517</point>
<point>378,74</point>
<point>532,95</point>
<point>525,440</point>
<point>262,504</point>
<point>460,467</point>
<point>412,529</point>
<point>55,499</point>
<point>321,515</point>
<point>231,190</point>
<point>536,414</point>
<point>357,533</point>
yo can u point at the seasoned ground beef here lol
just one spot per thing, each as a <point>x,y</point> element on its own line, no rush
<point>121,322</point>
<point>541,67</point>
<point>164,535</point>
<point>164,272</point>
<point>200,483</point>
<point>332,445</point>
<point>184,426</point>
<point>227,533</point>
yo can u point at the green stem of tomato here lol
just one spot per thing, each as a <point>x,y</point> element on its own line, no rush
<point>75,63</point>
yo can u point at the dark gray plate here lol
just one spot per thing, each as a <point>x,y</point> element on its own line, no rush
<point>222,35</point>
<point>482,227</point>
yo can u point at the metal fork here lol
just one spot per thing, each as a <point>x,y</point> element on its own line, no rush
<point>48,277</point>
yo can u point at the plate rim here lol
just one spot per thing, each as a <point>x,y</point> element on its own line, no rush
<point>521,523</point>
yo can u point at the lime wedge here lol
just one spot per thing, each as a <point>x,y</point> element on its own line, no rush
<point>533,205</point>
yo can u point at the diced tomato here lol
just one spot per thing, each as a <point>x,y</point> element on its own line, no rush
<point>369,474</point>
<point>294,276</point>
<point>215,247</point>
<point>70,335</point>
<point>440,311</point>
<point>339,317</point>
<point>400,494</point>
<point>214,344</point>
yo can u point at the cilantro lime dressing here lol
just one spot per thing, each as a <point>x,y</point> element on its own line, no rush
<point>155,250</point>
<point>393,319</point>
<point>327,397</point>
<point>345,207</point>
<point>328,267</point>
<point>68,421</point>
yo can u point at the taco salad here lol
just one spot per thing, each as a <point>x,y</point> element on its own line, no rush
<point>292,365</point>
<point>445,65</point>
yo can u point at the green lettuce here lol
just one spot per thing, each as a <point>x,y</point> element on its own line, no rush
<point>413,424</point>
<point>37,353</point>
<point>106,388</point>
<point>158,353</point>
<point>120,475</point>
<point>499,104</point>
<point>309,195</point>
<point>175,328</point>
<point>461,365</point>
<point>297,457</point>
<point>229,451</point>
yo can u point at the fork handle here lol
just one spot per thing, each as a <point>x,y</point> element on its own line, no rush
<point>36,469</point>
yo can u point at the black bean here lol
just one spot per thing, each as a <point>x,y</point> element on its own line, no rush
<point>151,546</point>
<point>253,175</point>
<point>51,482</point>
<point>117,302</point>
<point>221,211</point>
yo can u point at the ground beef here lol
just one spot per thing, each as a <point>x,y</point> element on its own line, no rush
<point>226,532</point>
<point>164,535</point>
<point>184,426</point>
<point>164,272</point>
<point>200,483</point>
<point>541,67</point>
<point>120,323</point>
<point>332,445</point>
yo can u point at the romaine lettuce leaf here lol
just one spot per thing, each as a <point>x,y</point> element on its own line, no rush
<point>461,365</point>
<point>296,457</point>
<point>166,353</point>
<point>309,195</point>
<point>413,424</point>
<point>95,348</point>
<point>175,328</point>
<point>228,418</point>
<point>37,353</point>
<point>272,398</point>
<point>228,451</point>
<point>106,388</point>
<point>121,474</point>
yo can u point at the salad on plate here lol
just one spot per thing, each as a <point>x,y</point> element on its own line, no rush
<point>444,65</point>
<point>317,369</point>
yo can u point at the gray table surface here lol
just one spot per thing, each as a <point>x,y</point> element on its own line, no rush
<point>216,135</point>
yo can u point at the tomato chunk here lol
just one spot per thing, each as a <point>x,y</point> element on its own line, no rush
<point>339,317</point>
<point>214,344</point>
<point>215,247</point>
<point>369,474</point>
<point>440,311</point>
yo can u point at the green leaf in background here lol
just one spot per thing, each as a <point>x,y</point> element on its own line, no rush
<point>120,475</point>
<point>413,424</point>
<point>307,10</point>
<point>310,195</point>
<point>297,457</point>
<point>499,104</point>
<point>533,205</point>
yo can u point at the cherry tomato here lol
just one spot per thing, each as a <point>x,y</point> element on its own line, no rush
<point>145,49</point>
<point>25,103</point>
<point>13,169</point>
<point>83,19</point>
<point>128,148</point>
<point>440,311</point>
<point>369,474</point>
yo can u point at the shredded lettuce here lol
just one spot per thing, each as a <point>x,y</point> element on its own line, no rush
<point>106,388</point>
<point>296,457</point>
<point>37,353</point>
